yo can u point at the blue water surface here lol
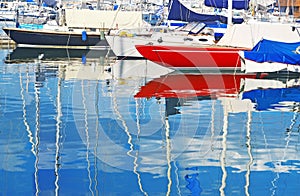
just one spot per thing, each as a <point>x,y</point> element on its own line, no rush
<point>74,128</point>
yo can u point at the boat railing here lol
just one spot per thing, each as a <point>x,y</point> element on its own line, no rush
<point>142,31</point>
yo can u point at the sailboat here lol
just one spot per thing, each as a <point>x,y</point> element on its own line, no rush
<point>76,28</point>
<point>284,91</point>
<point>237,37</point>
<point>193,33</point>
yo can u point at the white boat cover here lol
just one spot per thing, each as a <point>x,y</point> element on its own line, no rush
<point>249,34</point>
<point>85,18</point>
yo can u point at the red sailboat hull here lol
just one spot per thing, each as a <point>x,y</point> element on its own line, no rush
<point>183,57</point>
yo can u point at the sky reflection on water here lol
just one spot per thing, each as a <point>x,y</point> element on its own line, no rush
<point>69,128</point>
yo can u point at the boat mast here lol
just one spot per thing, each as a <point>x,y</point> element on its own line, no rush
<point>230,15</point>
<point>98,4</point>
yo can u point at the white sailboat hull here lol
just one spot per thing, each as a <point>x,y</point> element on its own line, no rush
<point>124,46</point>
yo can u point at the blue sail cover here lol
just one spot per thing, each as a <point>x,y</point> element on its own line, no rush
<point>236,4</point>
<point>177,11</point>
<point>274,51</point>
<point>50,3</point>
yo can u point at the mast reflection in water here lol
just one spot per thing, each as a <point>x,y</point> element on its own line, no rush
<point>106,127</point>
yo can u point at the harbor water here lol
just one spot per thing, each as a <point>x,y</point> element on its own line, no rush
<point>77,122</point>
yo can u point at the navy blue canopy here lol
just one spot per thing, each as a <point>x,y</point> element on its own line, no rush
<point>177,11</point>
<point>236,4</point>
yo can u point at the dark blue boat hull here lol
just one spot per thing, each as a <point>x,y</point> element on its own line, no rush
<point>38,37</point>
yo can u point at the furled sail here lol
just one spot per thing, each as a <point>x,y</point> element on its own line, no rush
<point>236,4</point>
<point>177,11</point>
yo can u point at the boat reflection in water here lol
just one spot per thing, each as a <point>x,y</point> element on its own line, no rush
<point>235,144</point>
<point>136,128</point>
<point>284,92</point>
<point>28,54</point>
